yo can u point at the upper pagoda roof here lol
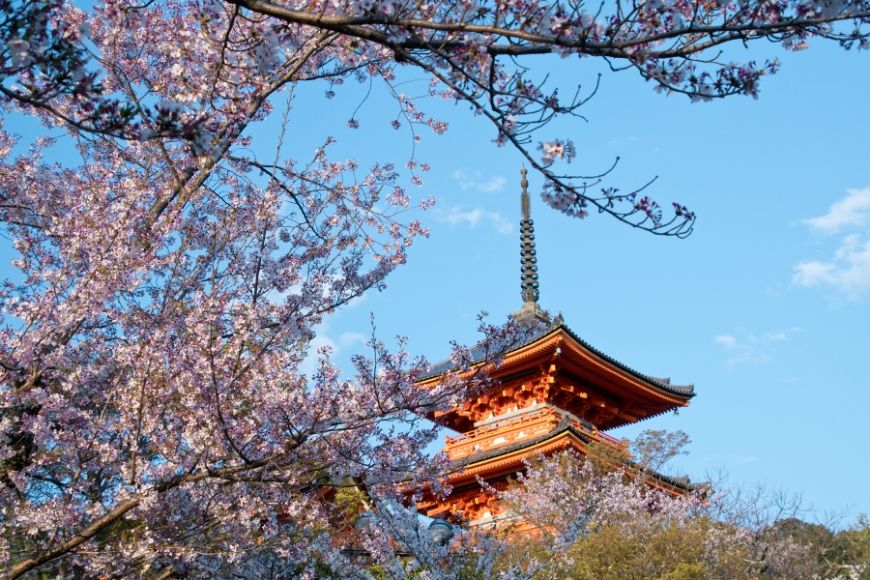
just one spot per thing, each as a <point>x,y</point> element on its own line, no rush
<point>479,353</point>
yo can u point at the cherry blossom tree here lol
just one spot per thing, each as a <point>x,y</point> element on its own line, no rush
<point>154,416</point>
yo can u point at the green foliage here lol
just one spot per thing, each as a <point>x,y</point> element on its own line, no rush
<point>653,550</point>
<point>850,551</point>
<point>350,500</point>
<point>699,549</point>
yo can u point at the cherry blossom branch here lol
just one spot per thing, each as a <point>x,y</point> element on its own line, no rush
<point>359,27</point>
<point>118,511</point>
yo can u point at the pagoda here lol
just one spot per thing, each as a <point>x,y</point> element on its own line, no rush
<point>552,392</point>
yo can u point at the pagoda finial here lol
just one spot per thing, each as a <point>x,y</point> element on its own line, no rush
<point>524,183</point>
<point>528,260</point>
<point>528,254</point>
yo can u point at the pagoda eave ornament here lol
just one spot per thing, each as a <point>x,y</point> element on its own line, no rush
<point>531,312</point>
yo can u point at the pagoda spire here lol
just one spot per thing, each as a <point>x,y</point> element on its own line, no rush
<point>528,261</point>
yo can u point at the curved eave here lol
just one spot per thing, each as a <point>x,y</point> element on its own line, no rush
<point>560,335</point>
<point>617,425</point>
<point>561,437</point>
<point>684,392</point>
<point>508,461</point>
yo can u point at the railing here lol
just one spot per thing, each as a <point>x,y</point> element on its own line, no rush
<point>608,439</point>
<point>502,433</point>
<point>500,425</point>
<point>516,429</point>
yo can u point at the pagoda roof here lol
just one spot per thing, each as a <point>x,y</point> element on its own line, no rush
<point>479,352</point>
<point>507,461</point>
<point>565,427</point>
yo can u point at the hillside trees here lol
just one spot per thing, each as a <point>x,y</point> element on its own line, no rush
<point>168,279</point>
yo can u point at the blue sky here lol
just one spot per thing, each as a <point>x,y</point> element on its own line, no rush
<point>764,308</point>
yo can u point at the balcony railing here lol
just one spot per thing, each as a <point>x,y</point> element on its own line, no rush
<point>515,430</point>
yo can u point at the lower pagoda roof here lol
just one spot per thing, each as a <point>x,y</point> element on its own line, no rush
<point>532,447</point>
<point>507,461</point>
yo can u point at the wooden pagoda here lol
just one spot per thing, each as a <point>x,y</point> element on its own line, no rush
<point>552,392</point>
